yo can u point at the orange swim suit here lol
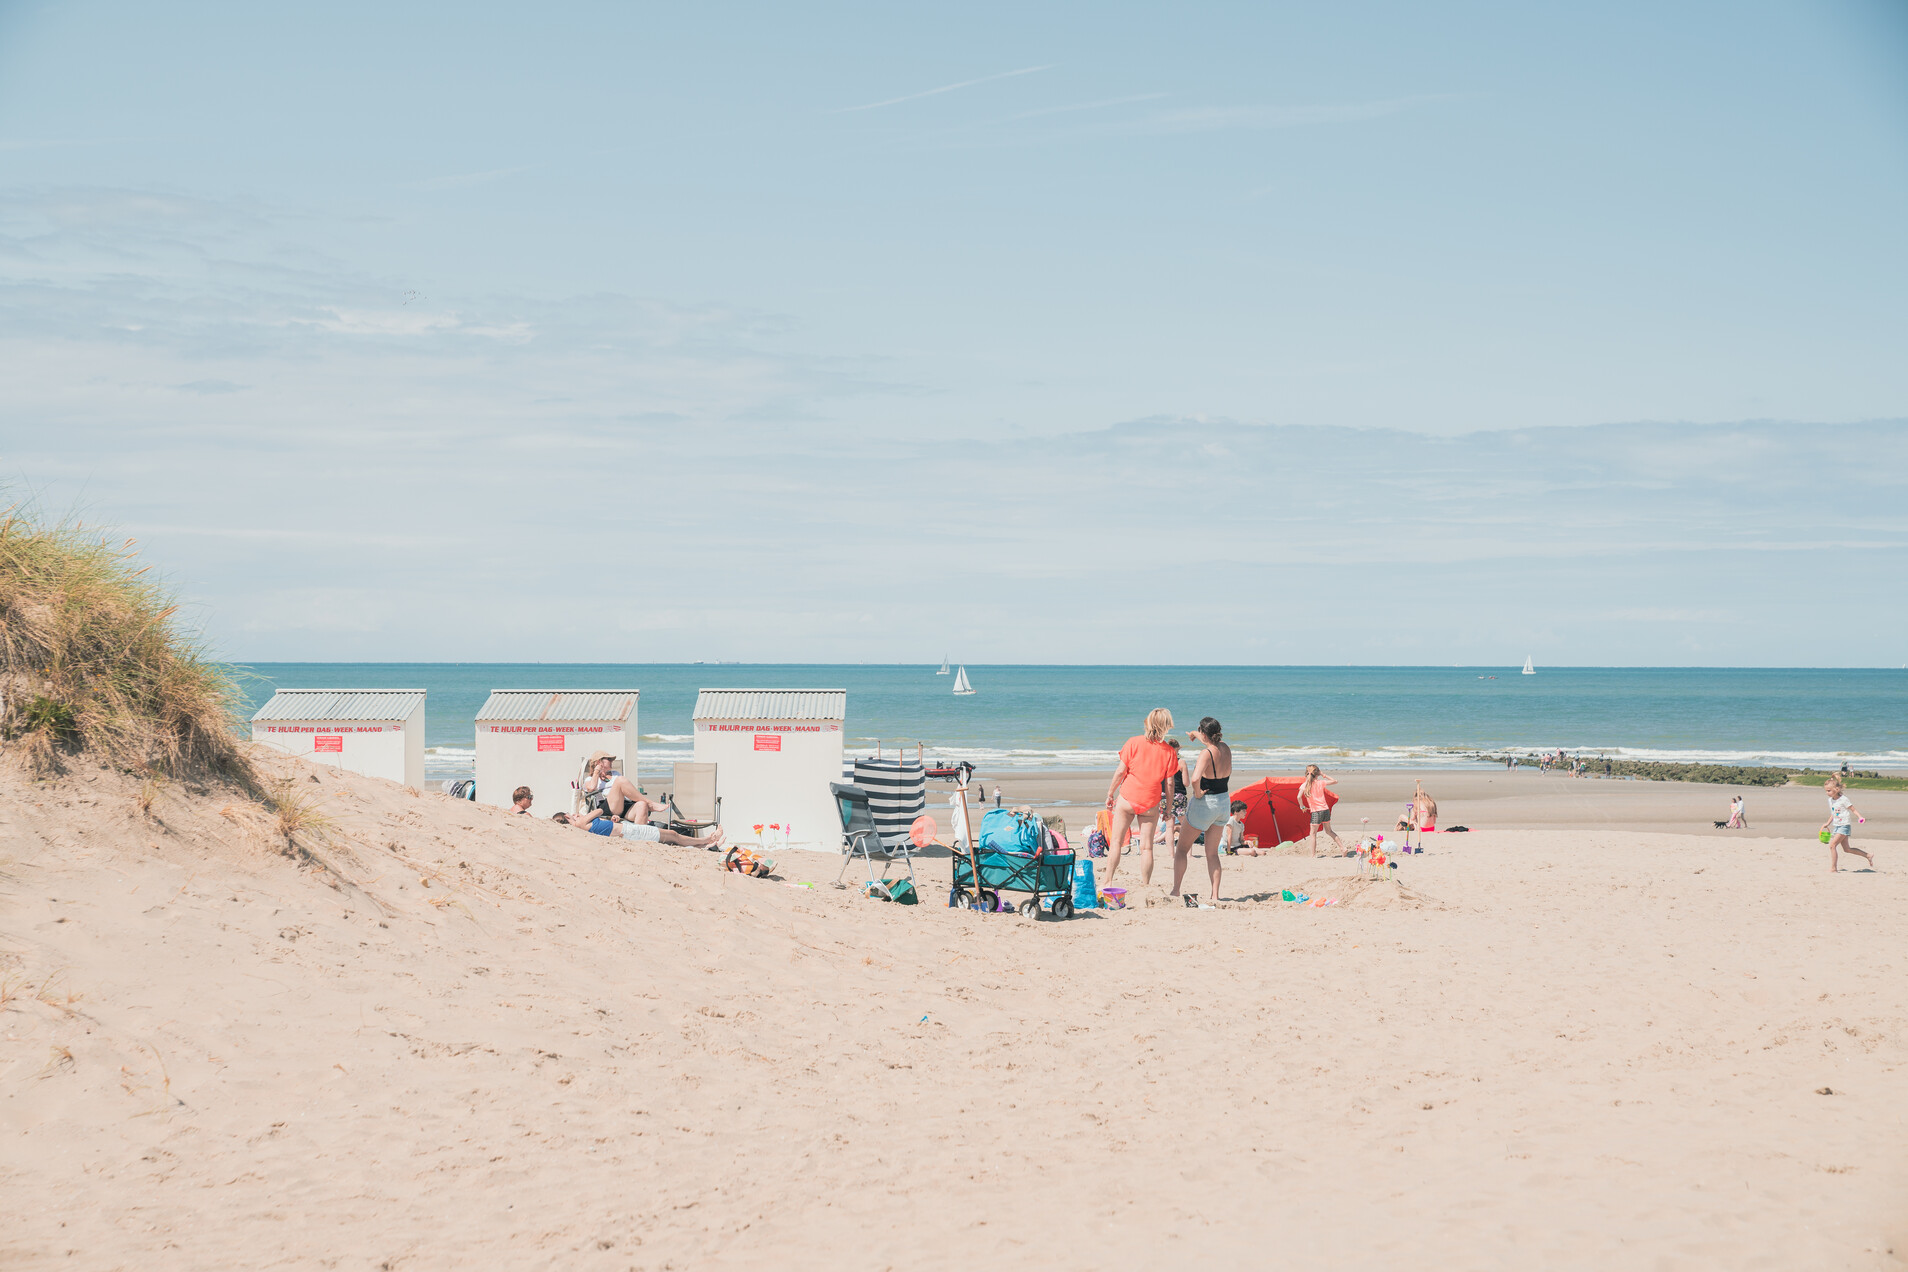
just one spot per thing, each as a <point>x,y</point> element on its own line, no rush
<point>1148,765</point>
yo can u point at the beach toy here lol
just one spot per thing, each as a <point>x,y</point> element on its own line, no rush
<point>924,831</point>
<point>1115,898</point>
<point>1824,836</point>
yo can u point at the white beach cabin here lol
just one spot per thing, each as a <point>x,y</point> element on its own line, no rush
<point>376,732</point>
<point>775,752</point>
<point>540,737</point>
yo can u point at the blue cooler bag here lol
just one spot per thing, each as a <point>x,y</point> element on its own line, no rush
<point>1001,831</point>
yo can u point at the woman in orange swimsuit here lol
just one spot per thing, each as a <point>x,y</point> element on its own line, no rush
<point>1137,792</point>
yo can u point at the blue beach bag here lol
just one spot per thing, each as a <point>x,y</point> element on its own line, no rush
<point>1086,892</point>
<point>1001,831</point>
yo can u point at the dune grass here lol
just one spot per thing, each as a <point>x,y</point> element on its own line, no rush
<point>1854,781</point>
<point>92,660</point>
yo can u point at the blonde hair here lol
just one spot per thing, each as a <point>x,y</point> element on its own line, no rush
<point>1159,722</point>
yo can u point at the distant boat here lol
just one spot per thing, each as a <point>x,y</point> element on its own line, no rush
<point>960,681</point>
<point>1529,670</point>
<point>943,670</point>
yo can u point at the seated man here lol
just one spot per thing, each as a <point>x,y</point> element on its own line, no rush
<point>640,832</point>
<point>616,793</point>
<point>520,800</point>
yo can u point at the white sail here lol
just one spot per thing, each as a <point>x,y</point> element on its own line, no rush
<point>960,681</point>
<point>943,670</point>
<point>1529,670</point>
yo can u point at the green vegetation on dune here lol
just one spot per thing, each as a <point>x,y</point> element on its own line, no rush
<point>92,659</point>
<point>1652,771</point>
<point>1718,774</point>
<point>1854,781</point>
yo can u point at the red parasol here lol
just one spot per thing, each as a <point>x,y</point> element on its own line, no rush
<point>1272,811</point>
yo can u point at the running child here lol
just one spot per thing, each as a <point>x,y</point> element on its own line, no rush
<point>1840,824</point>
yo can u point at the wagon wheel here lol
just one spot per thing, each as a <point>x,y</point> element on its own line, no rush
<point>1063,907</point>
<point>1030,907</point>
<point>989,900</point>
<point>958,899</point>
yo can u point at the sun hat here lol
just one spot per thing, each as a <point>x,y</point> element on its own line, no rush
<point>600,755</point>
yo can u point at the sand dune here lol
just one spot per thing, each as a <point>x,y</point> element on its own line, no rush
<point>475,1040</point>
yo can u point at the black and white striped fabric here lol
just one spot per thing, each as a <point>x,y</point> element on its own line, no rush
<point>897,794</point>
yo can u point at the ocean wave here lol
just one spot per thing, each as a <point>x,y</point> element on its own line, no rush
<point>655,761</point>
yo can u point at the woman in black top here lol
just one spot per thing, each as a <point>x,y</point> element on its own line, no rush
<point>1207,804</point>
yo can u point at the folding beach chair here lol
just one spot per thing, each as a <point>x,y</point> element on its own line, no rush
<point>693,799</point>
<point>860,836</point>
<point>897,794</point>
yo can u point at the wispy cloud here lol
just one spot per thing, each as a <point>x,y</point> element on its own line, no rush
<point>945,88</point>
<point>59,143</point>
<point>1212,118</point>
<point>461,179</point>
<point>1068,109</point>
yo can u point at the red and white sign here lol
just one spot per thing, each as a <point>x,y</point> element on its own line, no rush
<point>549,741</point>
<point>333,742</point>
<point>768,741</point>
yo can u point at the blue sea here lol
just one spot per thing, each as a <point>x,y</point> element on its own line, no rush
<point>1277,718</point>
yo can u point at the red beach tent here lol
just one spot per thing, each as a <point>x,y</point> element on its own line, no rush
<point>1272,811</point>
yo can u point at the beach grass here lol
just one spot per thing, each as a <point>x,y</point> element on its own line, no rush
<point>93,660</point>
<point>1854,781</point>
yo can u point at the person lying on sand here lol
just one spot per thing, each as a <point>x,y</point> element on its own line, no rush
<point>641,832</point>
<point>616,793</point>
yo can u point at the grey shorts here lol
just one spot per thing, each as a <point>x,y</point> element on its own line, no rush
<point>1205,810</point>
<point>1320,816</point>
<point>641,833</point>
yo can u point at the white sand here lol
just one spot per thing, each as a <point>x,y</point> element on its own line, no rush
<point>1561,1048</point>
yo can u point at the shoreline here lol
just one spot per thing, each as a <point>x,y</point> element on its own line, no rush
<point>1521,799</point>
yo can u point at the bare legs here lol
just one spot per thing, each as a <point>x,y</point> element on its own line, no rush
<point>1839,843</point>
<point>1326,826</point>
<point>1124,819</point>
<point>621,796</point>
<point>1182,851</point>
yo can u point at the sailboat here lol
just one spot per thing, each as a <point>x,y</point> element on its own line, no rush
<point>943,670</point>
<point>1529,670</point>
<point>960,681</point>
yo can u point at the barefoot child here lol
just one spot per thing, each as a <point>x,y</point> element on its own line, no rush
<point>1840,823</point>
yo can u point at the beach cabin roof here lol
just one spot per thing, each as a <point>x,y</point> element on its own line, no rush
<point>558,704</point>
<point>771,704</point>
<point>341,704</point>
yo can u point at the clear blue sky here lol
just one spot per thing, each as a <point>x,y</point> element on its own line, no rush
<point>1356,332</point>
